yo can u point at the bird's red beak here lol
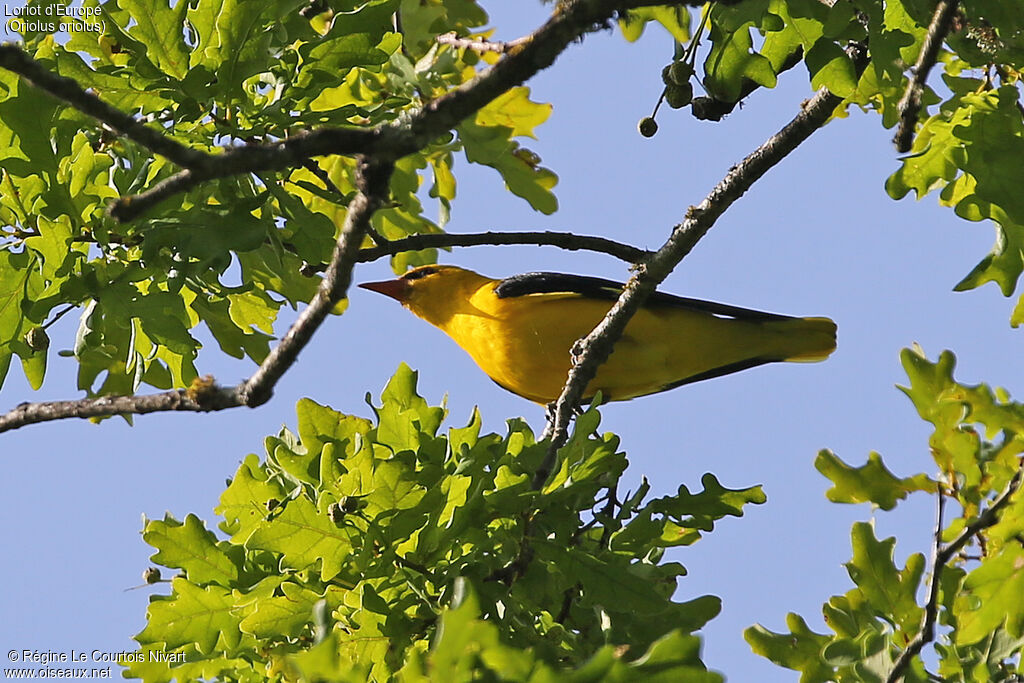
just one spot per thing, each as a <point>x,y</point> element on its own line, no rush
<point>396,289</point>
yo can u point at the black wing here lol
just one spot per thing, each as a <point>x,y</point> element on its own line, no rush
<point>598,288</point>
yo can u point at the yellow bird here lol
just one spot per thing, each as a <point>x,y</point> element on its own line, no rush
<point>519,331</point>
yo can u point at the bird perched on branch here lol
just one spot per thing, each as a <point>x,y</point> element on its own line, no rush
<point>519,331</point>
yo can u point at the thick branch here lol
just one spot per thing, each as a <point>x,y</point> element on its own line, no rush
<point>590,352</point>
<point>940,558</point>
<point>13,58</point>
<point>910,103</point>
<point>290,153</point>
<point>215,398</point>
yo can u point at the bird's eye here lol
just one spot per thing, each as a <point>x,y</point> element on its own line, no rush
<point>419,273</point>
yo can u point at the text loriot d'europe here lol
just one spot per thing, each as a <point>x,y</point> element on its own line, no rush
<point>52,18</point>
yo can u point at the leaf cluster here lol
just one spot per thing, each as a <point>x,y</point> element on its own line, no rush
<point>387,548</point>
<point>973,597</point>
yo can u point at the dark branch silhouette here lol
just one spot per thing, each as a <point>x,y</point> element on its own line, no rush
<point>372,178</point>
<point>563,240</point>
<point>910,103</point>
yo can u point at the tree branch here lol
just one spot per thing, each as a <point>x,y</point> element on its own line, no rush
<point>593,350</point>
<point>14,59</point>
<point>372,181</point>
<point>940,558</point>
<point>289,153</point>
<point>217,398</point>
<point>910,104</point>
<point>563,240</point>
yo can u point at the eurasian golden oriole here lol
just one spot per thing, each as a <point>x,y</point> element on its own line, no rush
<point>519,331</point>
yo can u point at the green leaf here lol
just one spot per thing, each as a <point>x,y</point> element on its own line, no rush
<point>991,145</point>
<point>159,27</point>
<point>830,67</point>
<point>233,340</point>
<point>953,409</point>
<point>890,591</point>
<point>34,365</point>
<point>318,425</point>
<point>331,59</point>
<point>245,501</point>
<point>675,20</point>
<point>732,57</point>
<point>967,151</point>
<point>323,662</point>
<point>799,650</point>
<point>303,535</point>
<point>990,598</point>
<point>412,542</point>
<point>405,416</point>
<point>233,40</point>
<point>701,510</point>
<point>25,128</point>
<point>160,663</point>
<point>192,615</point>
<point>519,167</point>
<point>514,110</point>
<point>190,547</point>
<point>675,656</point>
<point>872,482</point>
<point>283,615</point>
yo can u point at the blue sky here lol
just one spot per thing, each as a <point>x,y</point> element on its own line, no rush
<point>817,236</point>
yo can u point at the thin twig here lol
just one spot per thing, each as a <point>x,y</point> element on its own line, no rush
<point>322,175</point>
<point>276,156</point>
<point>984,520</point>
<point>60,314</point>
<point>940,558</point>
<point>609,513</point>
<point>590,352</point>
<point>563,240</point>
<point>910,104</point>
<point>927,631</point>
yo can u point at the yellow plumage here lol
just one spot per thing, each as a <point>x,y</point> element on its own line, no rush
<point>519,331</point>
